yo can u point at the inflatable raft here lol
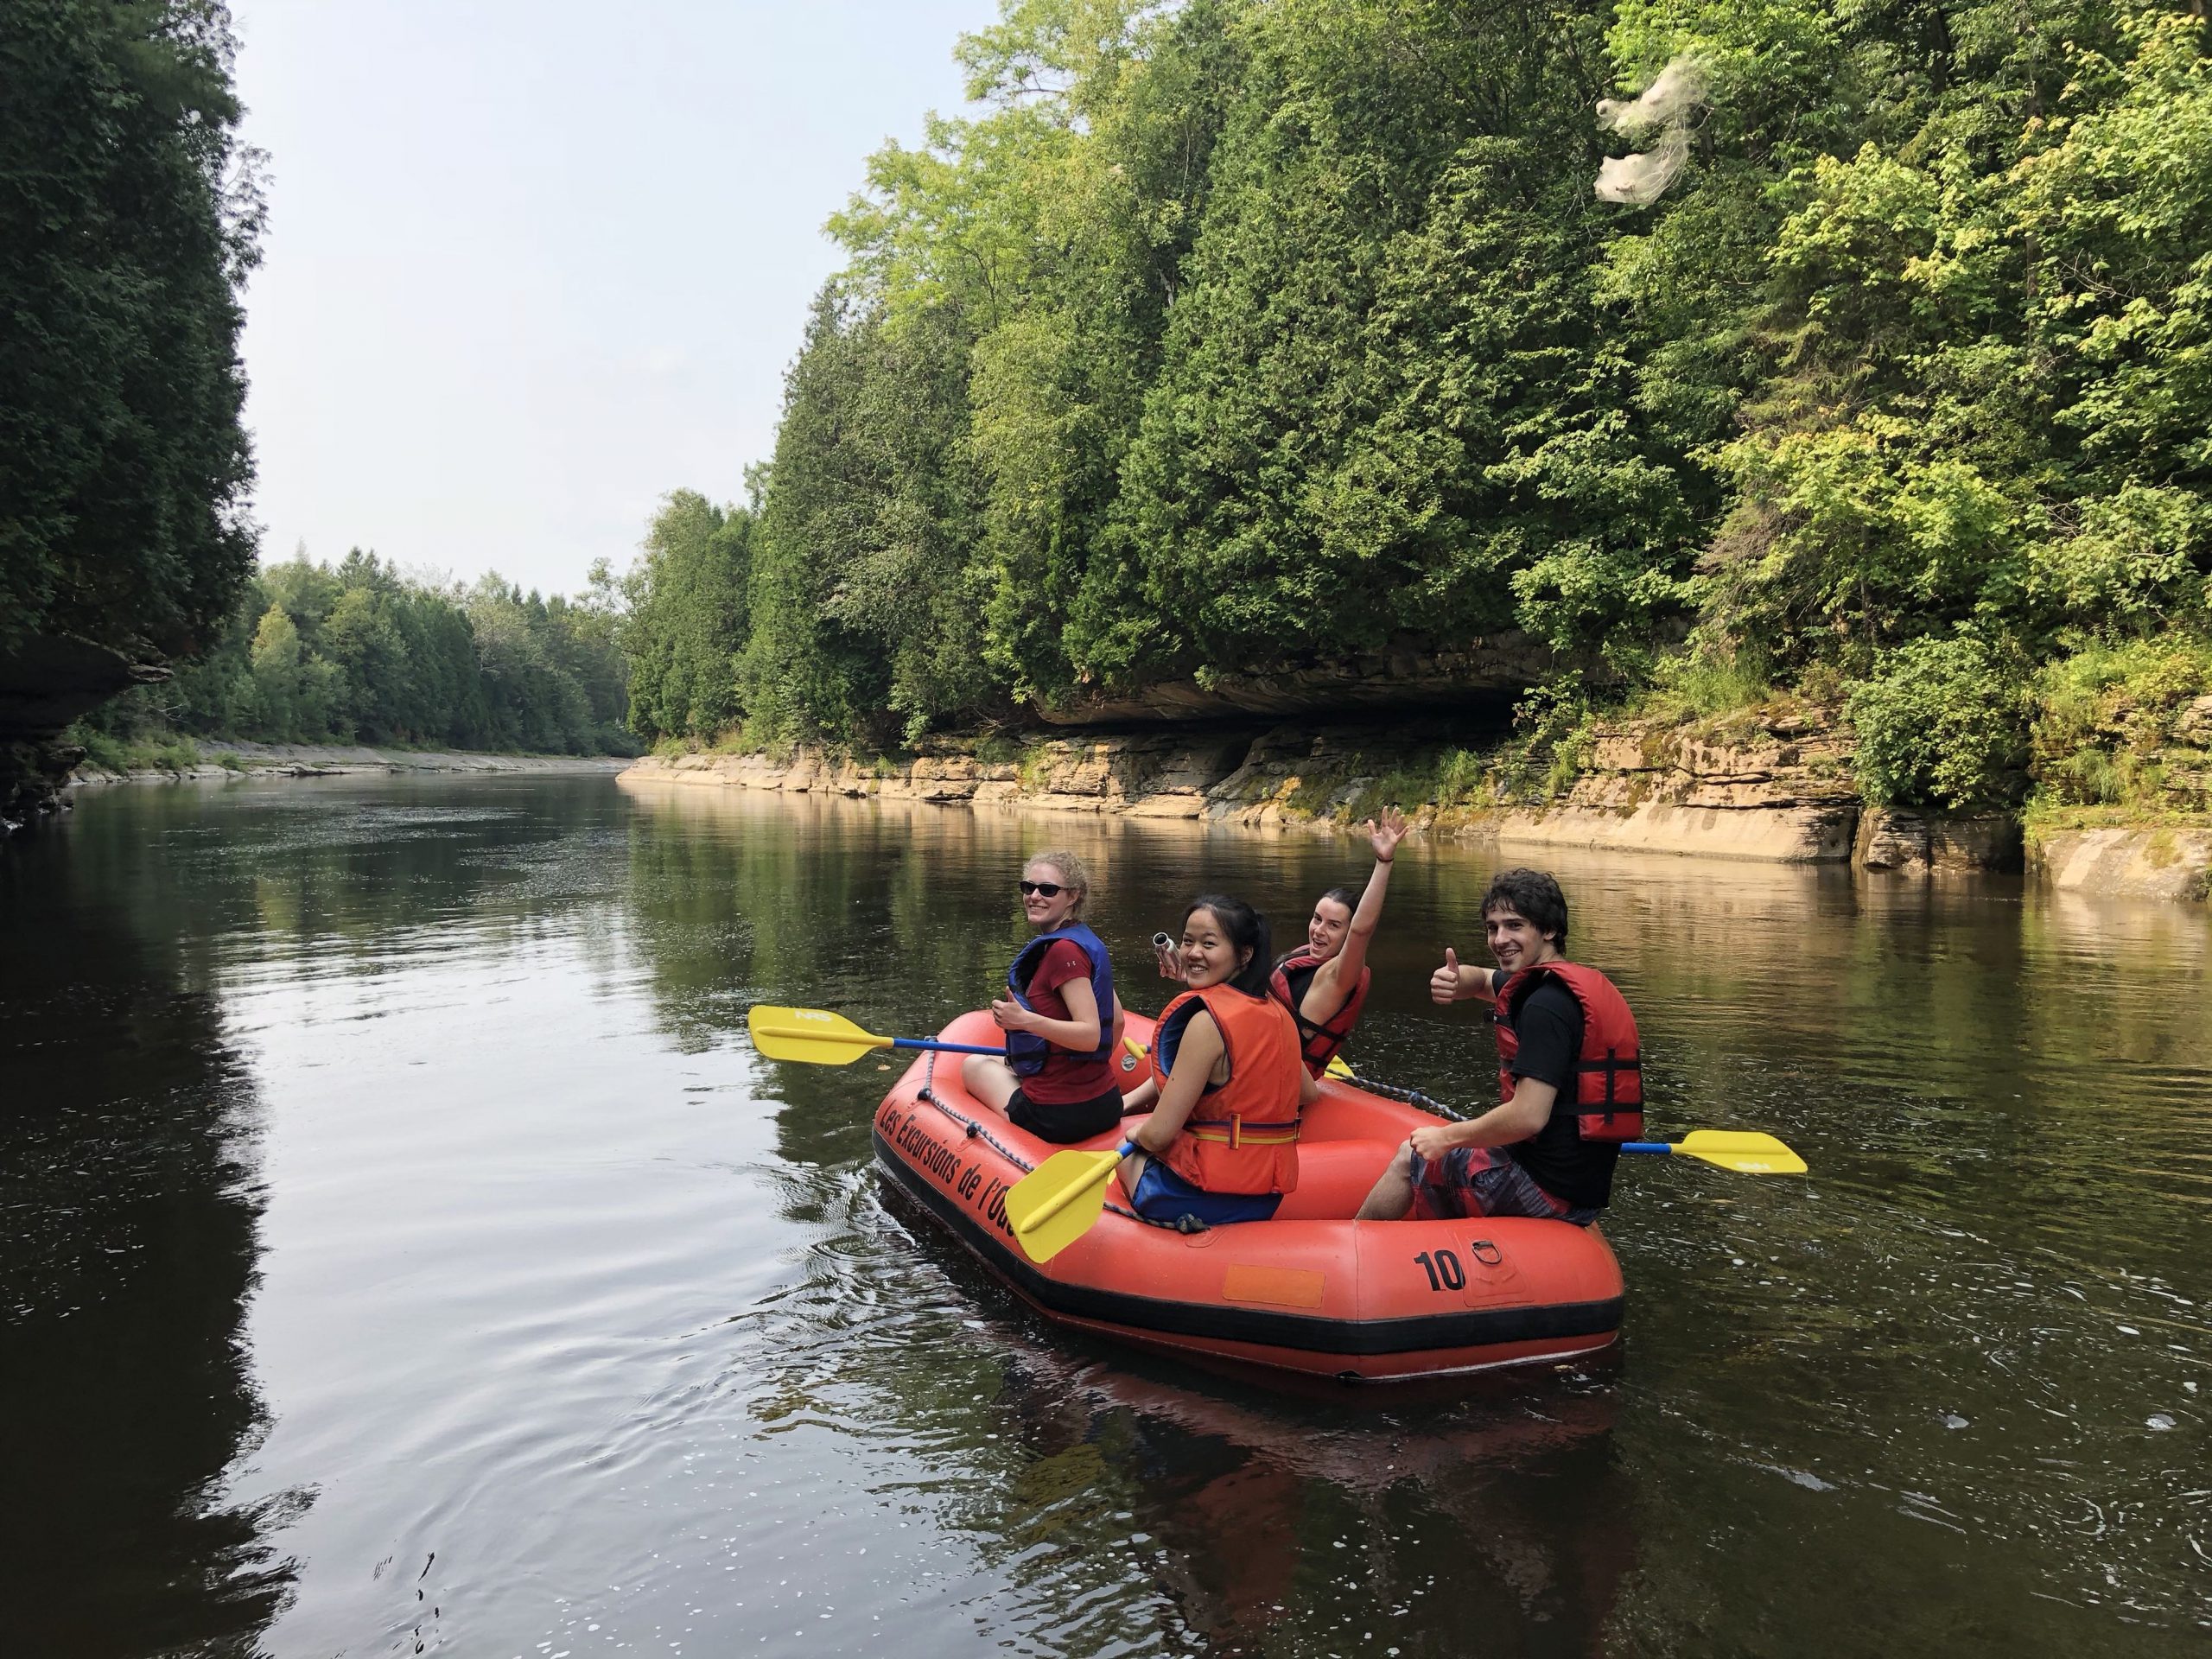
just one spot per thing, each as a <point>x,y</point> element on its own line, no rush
<point>1310,1291</point>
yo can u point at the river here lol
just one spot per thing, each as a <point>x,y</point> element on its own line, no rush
<point>404,1252</point>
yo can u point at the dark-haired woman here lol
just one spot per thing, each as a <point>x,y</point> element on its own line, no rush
<point>1227,1087</point>
<point>1324,983</point>
<point>1061,1017</point>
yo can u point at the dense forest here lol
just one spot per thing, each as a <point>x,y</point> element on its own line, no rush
<point>1858,354</point>
<point>129,219</point>
<point>130,216</point>
<point>357,653</point>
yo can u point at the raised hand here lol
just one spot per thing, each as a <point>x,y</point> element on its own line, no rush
<point>1384,837</point>
<point>1444,983</point>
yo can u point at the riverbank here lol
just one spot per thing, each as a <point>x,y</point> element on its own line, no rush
<point>1777,787</point>
<point>247,759</point>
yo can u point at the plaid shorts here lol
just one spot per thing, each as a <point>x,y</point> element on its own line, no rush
<point>1484,1181</point>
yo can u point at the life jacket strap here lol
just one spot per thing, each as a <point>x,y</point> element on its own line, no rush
<point>1233,1132</point>
<point>1613,1068</point>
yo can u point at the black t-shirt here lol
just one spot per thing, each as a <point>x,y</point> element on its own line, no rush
<point>1548,1021</point>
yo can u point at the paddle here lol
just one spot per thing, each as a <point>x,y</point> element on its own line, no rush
<point>1743,1151</point>
<point>822,1038</point>
<point>1060,1200</point>
<point>1057,1202</point>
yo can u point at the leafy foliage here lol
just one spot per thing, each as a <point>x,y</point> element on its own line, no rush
<point>129,217</point>
<point>358,652</point>
<point>1940,724</point>
<point>1232,337</point>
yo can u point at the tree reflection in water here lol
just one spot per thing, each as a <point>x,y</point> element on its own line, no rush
<point>126,1172</point>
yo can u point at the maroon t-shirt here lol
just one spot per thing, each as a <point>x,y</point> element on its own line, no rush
<point>1066,1078</point>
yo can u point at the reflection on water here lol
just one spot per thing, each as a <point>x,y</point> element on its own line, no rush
<point>406,1251</point>
<point>127,1253</point>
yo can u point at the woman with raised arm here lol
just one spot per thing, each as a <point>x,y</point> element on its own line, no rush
<point>1323,982</point>
<point>1221,1144</point>
<point>1061,1017</point>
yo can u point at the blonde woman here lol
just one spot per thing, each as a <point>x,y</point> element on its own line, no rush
<point>1060,1016</point>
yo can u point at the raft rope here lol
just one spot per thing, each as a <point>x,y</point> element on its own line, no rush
<point>1411,1096</point>
<point>977,1132</point>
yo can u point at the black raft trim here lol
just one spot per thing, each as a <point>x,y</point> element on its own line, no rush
<point>1465,1328</point>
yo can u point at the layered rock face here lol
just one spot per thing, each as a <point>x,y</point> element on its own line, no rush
<point>2127,863</point>
<point>1779,790</point>
<point>1152,775</point>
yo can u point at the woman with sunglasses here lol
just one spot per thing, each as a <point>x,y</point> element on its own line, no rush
<point>1222,1142</point>
<point>1061,1017</point>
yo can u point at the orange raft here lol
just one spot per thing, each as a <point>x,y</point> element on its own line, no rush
<point>1310,1291</point>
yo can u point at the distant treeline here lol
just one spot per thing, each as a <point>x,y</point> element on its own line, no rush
<point>1240,334</point>
<point>359,653</point>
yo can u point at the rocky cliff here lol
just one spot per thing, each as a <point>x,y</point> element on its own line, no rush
<point>1777,791</point>
<point>1775,787</point>
<point>46,682</point>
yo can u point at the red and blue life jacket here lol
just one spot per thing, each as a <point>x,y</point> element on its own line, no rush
<point>1026,1051</point>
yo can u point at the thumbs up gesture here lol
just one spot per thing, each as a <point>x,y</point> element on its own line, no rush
<point>1444,983</point>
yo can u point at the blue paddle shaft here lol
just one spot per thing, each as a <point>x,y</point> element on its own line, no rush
<point>945,1048</point>
<point>1660,1148</point>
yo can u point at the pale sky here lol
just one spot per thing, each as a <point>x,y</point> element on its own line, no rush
<point>529,267</point>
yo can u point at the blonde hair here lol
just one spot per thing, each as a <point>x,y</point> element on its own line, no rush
<point>1074,873</point>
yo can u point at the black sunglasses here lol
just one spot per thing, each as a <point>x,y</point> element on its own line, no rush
<point>1049,889</point>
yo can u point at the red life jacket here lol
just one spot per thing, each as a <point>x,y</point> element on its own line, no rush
<point>1247,1141</point>
<point>1292,978</point>
<point>1608,1103</point>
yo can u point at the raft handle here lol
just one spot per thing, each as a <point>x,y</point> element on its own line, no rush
<point>1486,1253</point>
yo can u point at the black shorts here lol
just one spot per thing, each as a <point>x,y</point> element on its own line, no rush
<point>1064,1122</point>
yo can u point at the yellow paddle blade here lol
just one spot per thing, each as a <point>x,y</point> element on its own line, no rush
<point>1337,1068</point>
<point>1746,1153</point>
<point>1057,1202</point>
<point>814,1034</point>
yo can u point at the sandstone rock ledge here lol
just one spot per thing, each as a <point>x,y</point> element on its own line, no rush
<point>1153,775</point>
<point>2119,862</point>
<point>1781,792</point>
<point>1778,791</point>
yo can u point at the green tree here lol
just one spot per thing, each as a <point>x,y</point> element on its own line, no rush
<point>277,673</point>
<point>129,218</point>
<point>687,618</point>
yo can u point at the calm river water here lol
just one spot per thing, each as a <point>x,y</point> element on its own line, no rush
<point>404,1252</point>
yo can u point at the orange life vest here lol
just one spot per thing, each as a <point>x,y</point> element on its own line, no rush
<point>1608,1101</point>
<point>1247,1138</point>
<point>1292,978</point>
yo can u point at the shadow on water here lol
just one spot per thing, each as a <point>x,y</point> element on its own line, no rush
<point>127,1180</point>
